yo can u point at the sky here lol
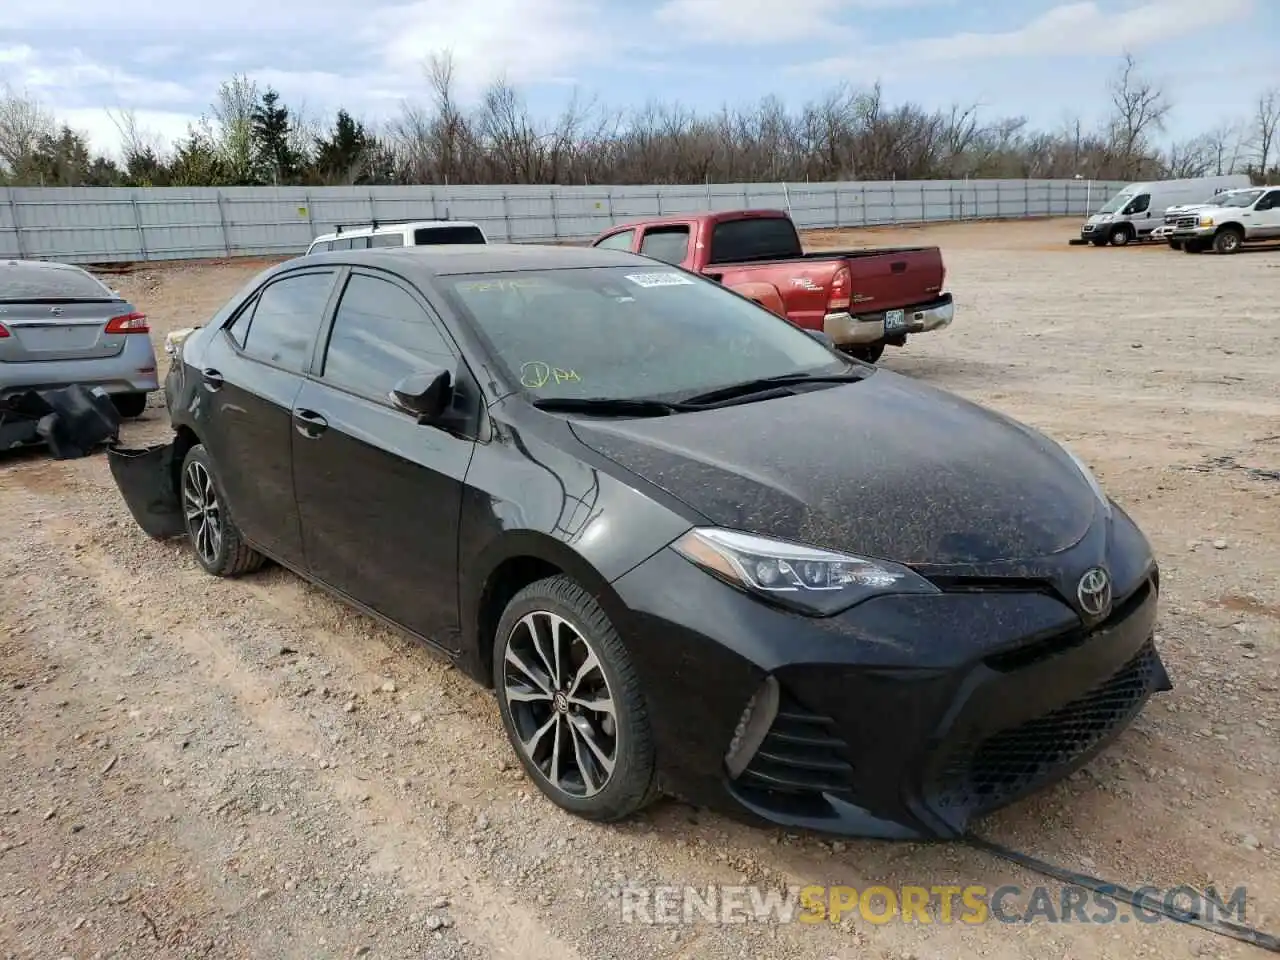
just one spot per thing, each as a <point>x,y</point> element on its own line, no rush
<point>1049,60</point>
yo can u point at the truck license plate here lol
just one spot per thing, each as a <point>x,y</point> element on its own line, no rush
<point>894,320</point>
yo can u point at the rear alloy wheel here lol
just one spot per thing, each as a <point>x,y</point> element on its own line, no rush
<point>1228,240</point>
<point>214,536</point>
<point>571,702</point>
<point>1121,236</point>
<point>129,404</point>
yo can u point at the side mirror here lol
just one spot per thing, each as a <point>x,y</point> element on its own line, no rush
<point>822,338</point>
<point>425,395</point>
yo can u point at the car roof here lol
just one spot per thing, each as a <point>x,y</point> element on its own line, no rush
<point>454,258</point>
<point>705,218</point>
<point>365,228</point>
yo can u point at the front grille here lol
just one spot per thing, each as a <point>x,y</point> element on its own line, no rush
<point>1024,655</point>
<point>800,755</point>
<point>1187,221</point>
<point>1171,219</point>
<point>984,775</point>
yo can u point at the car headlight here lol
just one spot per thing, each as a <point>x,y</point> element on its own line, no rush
<point>1094,485</point>
<point>174,340</point>
<point>806,579</point>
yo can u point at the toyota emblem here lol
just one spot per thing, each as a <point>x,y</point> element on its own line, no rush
<point>1094,592</point>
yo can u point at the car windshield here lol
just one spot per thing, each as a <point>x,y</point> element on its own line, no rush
<point>1116,203</point>
<point>629,332</point>
<point>1244,199</point>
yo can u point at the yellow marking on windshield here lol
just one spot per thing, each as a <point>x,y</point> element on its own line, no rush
<point>535,374</point>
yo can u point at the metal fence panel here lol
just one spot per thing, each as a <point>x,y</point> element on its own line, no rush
<point>105,224</point>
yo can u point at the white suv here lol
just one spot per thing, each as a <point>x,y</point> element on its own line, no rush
<point>408,233</point>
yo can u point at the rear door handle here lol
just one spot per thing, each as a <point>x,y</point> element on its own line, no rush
<point>309,423</point>
<point>212,378</point>
<point>898,266</point>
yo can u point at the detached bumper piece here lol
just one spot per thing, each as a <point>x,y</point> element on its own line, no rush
<point>147,481</point>
<point>71,421</point>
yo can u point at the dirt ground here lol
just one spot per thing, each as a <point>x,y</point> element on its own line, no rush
<point>227,769</point>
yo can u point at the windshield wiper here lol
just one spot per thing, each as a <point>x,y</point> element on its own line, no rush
<point>766,385</point>
<point>610,406</point>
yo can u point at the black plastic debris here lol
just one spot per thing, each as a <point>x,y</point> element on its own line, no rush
<point>147,480</point>
<point>71,421</point>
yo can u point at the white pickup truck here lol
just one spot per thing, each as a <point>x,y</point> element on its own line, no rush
<point>1174,213</point>
<point>1246,216</point>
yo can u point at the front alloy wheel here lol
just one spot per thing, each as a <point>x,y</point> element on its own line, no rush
<point>560,703</point>
<point>571,702</point>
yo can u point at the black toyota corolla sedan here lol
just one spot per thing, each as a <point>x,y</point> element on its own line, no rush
<point>692,548</point>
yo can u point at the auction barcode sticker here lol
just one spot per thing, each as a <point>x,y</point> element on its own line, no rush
<point>659,279</point>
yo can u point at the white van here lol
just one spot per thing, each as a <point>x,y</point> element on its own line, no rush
<point>402,233</point>
<point>1139,208</point>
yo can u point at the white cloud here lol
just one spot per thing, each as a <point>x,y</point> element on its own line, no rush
<point>768,21</point>
<point>526,40</point>
<point>1071,29</point>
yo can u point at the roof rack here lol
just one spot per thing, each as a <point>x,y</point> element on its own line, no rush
<point>375,223</point>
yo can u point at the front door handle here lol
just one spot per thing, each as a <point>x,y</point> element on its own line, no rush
<point>309,423</point>
<point>212,378</point>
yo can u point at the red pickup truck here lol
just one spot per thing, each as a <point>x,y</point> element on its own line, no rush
<point>861,299</point>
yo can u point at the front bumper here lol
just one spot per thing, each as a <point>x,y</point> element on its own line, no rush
<point>881,728</point>
<point>847,329</point>
<point>1192,233</point>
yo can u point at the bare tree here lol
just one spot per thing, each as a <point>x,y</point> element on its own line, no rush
<point>1139,109</point>
<point>1227,141</point>
<point>23,121</point>
<point>1267,122</point>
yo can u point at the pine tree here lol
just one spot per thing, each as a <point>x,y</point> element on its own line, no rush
<point>275,161</point>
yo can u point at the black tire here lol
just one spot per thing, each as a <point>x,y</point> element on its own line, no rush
<point>866,354</point>
<point>1175,244</point>
<point>1228,240</point>
<point>225,555</point>
<point>632,783</point>
<point>129,405</point>
<point>1121,236</point>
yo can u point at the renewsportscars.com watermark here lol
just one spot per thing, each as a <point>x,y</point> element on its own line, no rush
<point>940,904</point>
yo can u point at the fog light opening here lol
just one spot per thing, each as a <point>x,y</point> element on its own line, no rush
<point>753,726</point>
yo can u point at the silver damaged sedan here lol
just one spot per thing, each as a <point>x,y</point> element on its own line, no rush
<point>60,325</point>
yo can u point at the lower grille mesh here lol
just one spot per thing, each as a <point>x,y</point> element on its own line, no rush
<point>984,775</point>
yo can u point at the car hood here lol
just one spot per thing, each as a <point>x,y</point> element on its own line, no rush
<point>887,467</point>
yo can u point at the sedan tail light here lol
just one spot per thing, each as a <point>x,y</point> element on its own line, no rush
<point>4,332</point>
<point>128,323</point>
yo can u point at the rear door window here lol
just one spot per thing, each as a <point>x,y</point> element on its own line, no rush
<point>387,240</point>
<point>668,244</point>
<point>381,334</point>
<point>285,320</point>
